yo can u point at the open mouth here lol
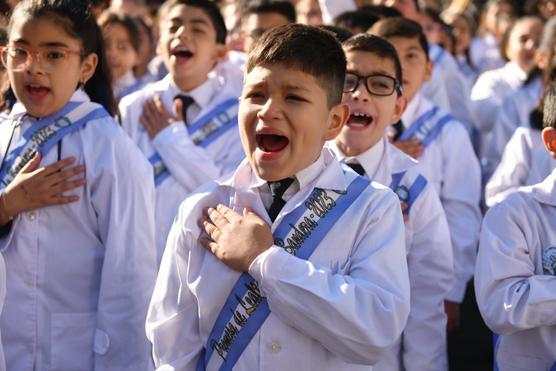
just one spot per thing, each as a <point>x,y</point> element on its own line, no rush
<point>359,120</point>
<point>36,90</point>
<point>182,55</point>
<point>271,142</point>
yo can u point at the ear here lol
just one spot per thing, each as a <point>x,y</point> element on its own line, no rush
<point>220,53</point>
<point>549,140</point>
<point>399,109</point>
<point>88,67</point>
<point>428,70</point>
<point>337,117</point>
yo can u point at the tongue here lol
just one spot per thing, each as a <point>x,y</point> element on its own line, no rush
<point>38,90</point>
<point>273,143</point>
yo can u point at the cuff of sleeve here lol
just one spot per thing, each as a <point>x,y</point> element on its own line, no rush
<point>169,134</point>
<point>267,267</point>
<point>458,292</point>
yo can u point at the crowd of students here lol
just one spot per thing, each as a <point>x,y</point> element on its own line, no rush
<point>266,184</point>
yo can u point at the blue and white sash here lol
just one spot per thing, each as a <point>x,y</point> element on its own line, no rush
<point>427,127</point>
<point>202,132</point>
<point>406,195</point>
<point>245,309</point>
<point>46,133</point>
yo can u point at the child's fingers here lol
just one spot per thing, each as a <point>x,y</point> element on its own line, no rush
<point>59,177</point>
<point>67,186</point>
<point>60,200</point>
<point>32,164</point>
<point>57,166</point>
<point>177,107</point>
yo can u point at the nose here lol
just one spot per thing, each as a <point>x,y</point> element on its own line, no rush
<point>361,93</point>
<point>269,110</point>
<point>182,33</point>
<point>34,65</point>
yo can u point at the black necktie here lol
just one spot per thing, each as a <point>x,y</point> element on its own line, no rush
<point>277,190</point>
<point>357,167</point>
<point>186,101</point>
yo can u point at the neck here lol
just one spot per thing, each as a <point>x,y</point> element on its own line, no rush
<point>352,151</point>
<point>187,84</point>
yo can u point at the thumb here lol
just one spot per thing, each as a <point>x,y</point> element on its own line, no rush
<point>177,106</point>
<point>33,164</point>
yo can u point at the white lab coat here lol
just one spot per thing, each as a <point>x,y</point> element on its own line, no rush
<point>447,88</point>
<point>79,275</point>
<point>422,345</point>
<point>525,162</point>
<point>489,92</point>
<point>451,166</point>
<point>485,53</point>
<point>514,112</point>
<point>514,277</point>
<point>341,310</point>
<point>189,165</point>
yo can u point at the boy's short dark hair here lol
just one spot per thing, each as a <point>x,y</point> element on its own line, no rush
<point>341,33</point>
<point>549,109</point>
<point>284,8</point>
<point>310,49</point>
<point>209,7</point>
<point>401,27</point>
<point>356,19</point>
<point>109,18</point>
<point>381,11</point>
<point>377,46</point>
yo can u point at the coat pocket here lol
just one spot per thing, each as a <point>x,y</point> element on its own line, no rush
<point>72,338</point>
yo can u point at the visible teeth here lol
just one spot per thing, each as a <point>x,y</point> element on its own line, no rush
<point>357,114</point>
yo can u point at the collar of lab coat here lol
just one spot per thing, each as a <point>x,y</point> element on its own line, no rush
<point>380,161</point>
<point>78,96</point>
<point>545,192</point>
<point>202,94</point>
<point>415,108</point>
<point>331,176</point>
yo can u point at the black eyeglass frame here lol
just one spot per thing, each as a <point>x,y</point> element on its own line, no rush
<point>397,86</point>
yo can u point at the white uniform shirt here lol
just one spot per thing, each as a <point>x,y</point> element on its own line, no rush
<point>340,310</point>
<point>515,281</point>
<point>451,166</point>
<point>126,85</point>
<point>79,275</point>
<point>453,96</point>
<point>514,112</point>
<point>489,92</point>
<point>525,162</point>
<point>485,53</point>
<point>422,345</point>
<point>189,165</point>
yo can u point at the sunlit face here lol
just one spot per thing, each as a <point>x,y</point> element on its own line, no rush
<point>188,45</point>
<point>308,12</point>
<point>120,54</point>
<point>42,90</point>
<point>370,115</point>
<point>523,42</point>
<point>416,68</point>
<point>256,24</point>
<point>284,120</point>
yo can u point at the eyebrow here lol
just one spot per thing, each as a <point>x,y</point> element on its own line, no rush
<point>296,87</point>
<point>48,43</point>
<point>374,72</point>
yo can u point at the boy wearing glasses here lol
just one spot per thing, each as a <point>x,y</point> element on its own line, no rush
<point>372,91</point>
<point>444,150</point>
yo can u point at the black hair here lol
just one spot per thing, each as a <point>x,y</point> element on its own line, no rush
<point>401,27</point>
<point>109,18</point>
<point>341,33</point>
<point>208,7</point>
<point>357,21</point>
<point>449,17</point>
<point>375,45</point>
<point>284,8</point>
<point>75,17</point>
<point>549,109</point>
<point>296,46</point>
<point>381,11</point>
